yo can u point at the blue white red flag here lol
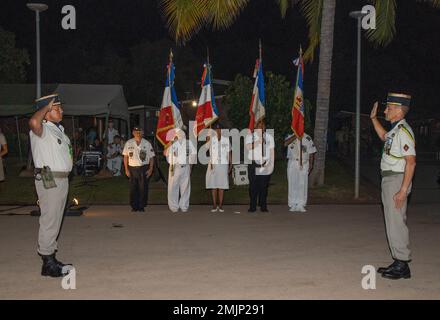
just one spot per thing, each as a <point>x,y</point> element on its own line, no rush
<point>169,117</point>
<point>298,100</point>
<point>257,109</point>
<point>207,112</point>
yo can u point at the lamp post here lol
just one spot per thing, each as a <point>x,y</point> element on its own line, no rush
<point>358,15</point>
<point>38,7</point>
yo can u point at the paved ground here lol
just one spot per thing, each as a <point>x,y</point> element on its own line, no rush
<point>200,255</point>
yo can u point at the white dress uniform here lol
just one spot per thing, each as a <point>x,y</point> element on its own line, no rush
<point>217,173</point>
<point>399,142</point>
<point>297,175</point>
<point>110,135</point>
<point>267,157</point>
<point>114,164</point>
<point>52,149</point>
<point>180,155</point>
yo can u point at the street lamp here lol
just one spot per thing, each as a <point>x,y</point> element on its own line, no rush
<point>38,7</point>
<point>358,15</point>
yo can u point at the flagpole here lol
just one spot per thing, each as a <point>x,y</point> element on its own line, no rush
<point>260,50</point>
<point>300,140</point>
<point>170,61</point>
<point>207,55</point>
<point>260,54</point>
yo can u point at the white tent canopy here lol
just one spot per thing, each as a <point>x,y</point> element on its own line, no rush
<point>77,99</point>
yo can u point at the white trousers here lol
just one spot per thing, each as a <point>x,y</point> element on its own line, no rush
<point>298,180</point>
<point>179,183</point>
<point>114,165</point>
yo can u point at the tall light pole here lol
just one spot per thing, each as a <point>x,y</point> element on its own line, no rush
<point>358,15</point>
<point>38,7</point>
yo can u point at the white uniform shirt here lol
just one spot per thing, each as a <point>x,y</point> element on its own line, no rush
<point>2,140</point>
<point>182,152</point>
<point>114,148</point>
<point>219,150</point>
<point>399,142</point>
<point>134,151</point>
<point>267,157</point>
<point>111,134</point>
<point>52,149</point>
<point>308,148</point>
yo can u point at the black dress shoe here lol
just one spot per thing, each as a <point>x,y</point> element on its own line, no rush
<point>264,210</point>
<point>383,269</point>
<point>252,210</point>
<point>134,210</point>
<point>141,210</point>
<point>52,267</point>
<point>399,271</point>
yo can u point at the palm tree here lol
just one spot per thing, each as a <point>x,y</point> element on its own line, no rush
<point>186,17</point>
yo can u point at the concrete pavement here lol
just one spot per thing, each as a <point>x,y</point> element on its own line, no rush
<point>230,255</point>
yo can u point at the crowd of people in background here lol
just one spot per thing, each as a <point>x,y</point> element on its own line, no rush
<point>109,148</point>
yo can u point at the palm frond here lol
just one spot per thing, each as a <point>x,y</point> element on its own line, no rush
<point>385,23</point>
<point>285,4</point>
<point>184,17</point>
<point>433,3</point>
<point>222,13</point>
<point>312,11</point>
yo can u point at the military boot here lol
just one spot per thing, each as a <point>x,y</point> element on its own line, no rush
<point>52,267</point>
<point>399,271</point>
<point>383,269</point>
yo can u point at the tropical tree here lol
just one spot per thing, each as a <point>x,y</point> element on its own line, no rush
<point>13,61</point>
<point>186,17</point>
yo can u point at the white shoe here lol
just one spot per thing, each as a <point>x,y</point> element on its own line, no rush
<point>302,209</point>
<point>184,210</point>
<point>293,208</point>
<point>214,210</point>
<point>220,209</point>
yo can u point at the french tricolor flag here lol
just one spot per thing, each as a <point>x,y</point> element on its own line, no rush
<point>298,99</point>
<point>169,117</point>
<point>257,110</point>
<point>207,112</point>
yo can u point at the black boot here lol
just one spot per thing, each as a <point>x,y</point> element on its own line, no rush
<point>384,269</point>
<point>52,267</point>
<point>399,271</point>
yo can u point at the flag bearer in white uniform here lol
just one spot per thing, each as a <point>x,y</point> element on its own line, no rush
<point>181,155</point>
<point>219,167</point>
<point>52,155</point>
<point>397,168</point>
<point>299,167</point>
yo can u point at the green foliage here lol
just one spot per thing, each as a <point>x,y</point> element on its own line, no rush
<point>279,97</point>
<point>238,99</point>
<point>12,59</point>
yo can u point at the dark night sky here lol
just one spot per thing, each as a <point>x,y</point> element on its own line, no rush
<point>409,63</point>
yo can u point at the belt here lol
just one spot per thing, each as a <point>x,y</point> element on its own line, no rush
<point>55,174</point>
<point>387,173</point>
